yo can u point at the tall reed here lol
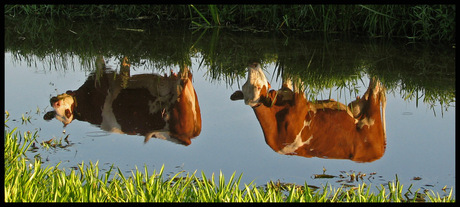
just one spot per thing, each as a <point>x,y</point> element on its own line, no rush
<point>413,22</point>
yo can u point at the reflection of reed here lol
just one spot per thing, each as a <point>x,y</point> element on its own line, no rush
<point>322,62</point>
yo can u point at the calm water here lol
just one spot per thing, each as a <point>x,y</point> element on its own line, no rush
<point>420,139</point>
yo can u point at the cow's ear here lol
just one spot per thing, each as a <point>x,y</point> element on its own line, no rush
<point>270,99</point>
<point>265,97</point>
<point>272,94</point>
<point>69,92</point>
<point>264,91</point>
<point>237,95</point>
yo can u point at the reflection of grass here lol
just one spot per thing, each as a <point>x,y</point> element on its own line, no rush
<point>432,96</point>
<point>25,119</point>
<point>29,181</point>
<point>322,62</point>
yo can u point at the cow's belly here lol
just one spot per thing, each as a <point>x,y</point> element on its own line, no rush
<point>135,111</point>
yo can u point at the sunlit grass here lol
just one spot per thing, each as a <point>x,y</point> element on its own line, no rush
<point>26,180</point>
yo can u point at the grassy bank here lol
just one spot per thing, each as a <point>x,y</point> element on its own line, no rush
<point>413,22</point>
<point>26,180</point>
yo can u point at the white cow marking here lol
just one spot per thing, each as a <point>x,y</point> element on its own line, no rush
<point>292,147</point>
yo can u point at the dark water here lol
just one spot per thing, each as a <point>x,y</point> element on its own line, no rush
<point>420,112</point>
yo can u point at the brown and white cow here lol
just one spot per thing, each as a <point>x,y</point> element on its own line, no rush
<point>151,105</point>
<point>326,129</point>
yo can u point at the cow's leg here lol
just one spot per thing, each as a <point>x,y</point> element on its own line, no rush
<point>378,97</point>
<point>371,124</point>
<point>125,72</point>
<point>369,105</point>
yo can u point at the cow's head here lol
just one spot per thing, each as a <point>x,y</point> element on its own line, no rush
<point>63,106</point>
<point>255,86</point>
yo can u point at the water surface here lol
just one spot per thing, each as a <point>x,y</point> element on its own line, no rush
<point>420,113</point>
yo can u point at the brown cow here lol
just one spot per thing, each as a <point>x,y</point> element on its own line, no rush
<point>326,129</point>
<point>146,104</point>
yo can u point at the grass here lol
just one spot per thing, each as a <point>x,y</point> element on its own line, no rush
<point>26,180</point>
<point>412,22</point>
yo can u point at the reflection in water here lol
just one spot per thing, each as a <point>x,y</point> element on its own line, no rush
<point>327,129</point>
<point>151,105</point>
<point>419,74</point>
